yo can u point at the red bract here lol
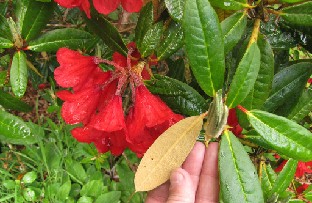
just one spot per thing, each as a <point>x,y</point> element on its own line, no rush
<point>302,188</point>
<point>102,6</point>
<point>233,122</point>
<point>95,101</point>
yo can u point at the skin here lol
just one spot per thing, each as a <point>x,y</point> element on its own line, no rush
<point>197,181</point>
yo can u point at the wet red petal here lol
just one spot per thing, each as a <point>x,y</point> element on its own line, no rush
<point>83,5</point>
<point>86,134</point>
<point>111,117</point>
<point>120,59</point>
<point>153,108</point>
<point>302,188</point>
<point>114,142</point>
<point>310,80</point>
<point>106,6</point>
<point>74,68</point>
<point>80,106</point>
<point>281,166</point>
<point>132,5</point>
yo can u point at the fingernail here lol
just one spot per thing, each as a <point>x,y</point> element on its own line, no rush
<point>176,177</point>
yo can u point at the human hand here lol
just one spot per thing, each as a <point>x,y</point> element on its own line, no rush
<point>197,180</point>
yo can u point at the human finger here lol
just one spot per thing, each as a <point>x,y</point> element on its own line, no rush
<point>181,187</point>
<point>208,188</point>
<point>159,194</point>
<point>194,161</point>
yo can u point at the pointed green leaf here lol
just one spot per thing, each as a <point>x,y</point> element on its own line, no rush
<point>245,76</point>
<point>92,188</point>
<point>18,74</point>
<point>63,191</point>
<point>151,39</point>
<point>107,32</point>
<point>238,177</point>
<point>3,75</point>
<point>261,90</point>
<point>68,37</point>
<point>5,43</point>
<point>299,14</point>
<point>111,197</point>
<point>36,16</point>
<point>172,41</point>
<point>75,170</point>
<point>144,23</point>
<point>303,106</point>
<point>29,177</point>
<point>180,97</point>
<point>9,102</point>
<point>268,178</point>
<point>283,135</point>
<point>5,31</point>
<point>233,28</point>
<point>287,83</point>
<point>14,130</point>
<point>230,4</point>
<point>175,8</point>
<point>284,178</point>
<point>204,44</point>
<point>4,7</point>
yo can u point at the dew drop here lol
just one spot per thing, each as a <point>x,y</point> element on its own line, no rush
<point>226,3</point>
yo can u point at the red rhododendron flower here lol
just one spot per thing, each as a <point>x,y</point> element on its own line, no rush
<point>233,122</point>
<point>302,188</point>
<point>302,168</point>
<point>310,81</point>
<point>103,6</point>
<point>96,97</point>
<point>145,122</point>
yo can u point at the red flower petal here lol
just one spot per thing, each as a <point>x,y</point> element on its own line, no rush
<point>132,5</point>
<point>106,6</point>
<point>310,80</point>
<point>86,134</point>
<point>83,5</point>
<point>114,141</point>
<point>281,166</point>
<point>111,117</point>
<point>302,188</point>
<point>79,107</point>
<point>153,108</point>
<point>74,68</point>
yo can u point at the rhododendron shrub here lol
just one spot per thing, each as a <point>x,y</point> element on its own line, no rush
<point>88,86</point>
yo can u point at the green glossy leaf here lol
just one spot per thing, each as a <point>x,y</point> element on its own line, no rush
<point>245,76</point>
<point>36,16</point>
<point>151,39</point>
<point>18,74</point>
<point>5,43</point>
<point>255,138</point>
<point>180,97</point>
<point>63,191</point>
<point>230,4</point>
<point>68,37</point>
<point>233,28</point>
<point>282,135</point>
<point>238,177</point>
<point>291,1</point>
<point>3,75</point>
<point>4,7</point>
<point>175,8</point>
<point>286,83</point>
<point>92,188</point>
<point>5,31</point>
<point>107,32</point>
<point>284,178</point>
<point>10,102</point>
<point>268,178</point>
<point>29,177</point>
<point>85,199</point>
<point>172,41</point>
<point>204,44</point>
<point>111,197</point>
<point>14,130</point>
<point>261,90</point>
<point>144,23</point>
<point>299,14</point>
<point>303,106</point>
<point>75,170</point>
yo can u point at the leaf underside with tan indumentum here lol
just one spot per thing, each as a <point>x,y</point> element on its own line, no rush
<point>167,153</point>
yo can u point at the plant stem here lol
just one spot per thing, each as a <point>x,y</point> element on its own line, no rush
<point>255,32</point>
